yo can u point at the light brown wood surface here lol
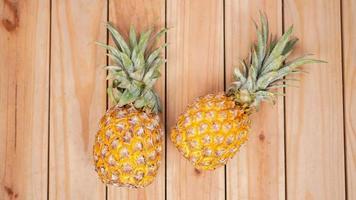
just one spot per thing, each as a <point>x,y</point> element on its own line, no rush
<point>349,56</point>
<point>257,171</point>
<point>77,97</point>
<point>314,118</point>
<point>143,15</point>
<point>24,65</point>
<point>195,67</point>
<point>52,95</point>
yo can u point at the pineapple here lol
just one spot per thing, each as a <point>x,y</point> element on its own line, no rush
<point>214,127</point>
<point>128,145</point>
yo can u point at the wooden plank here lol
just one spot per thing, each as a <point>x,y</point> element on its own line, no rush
<point>143,15</point>
<point>314,110</point>
<point>78,98</point>
<point>349,55</point>
<point>257,171</point>
<point>195,67</point>
<point>24,65</point>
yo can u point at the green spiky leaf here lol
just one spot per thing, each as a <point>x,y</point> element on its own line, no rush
<point>135,69</point>
<point>132,35</point>
<point>265,67</point>
<point>118,39</point>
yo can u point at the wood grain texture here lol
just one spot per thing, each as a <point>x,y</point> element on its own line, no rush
<point>78,98</point>
<point>195,67</point>
<point>349,56</point>
<point>314,118</point>
<point>257,171</point>
<point>142,14</point>
<point>52,95</point>
<point>24,65</point>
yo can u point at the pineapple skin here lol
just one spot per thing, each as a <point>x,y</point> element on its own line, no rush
<point>211,131</point>
<point>128,147</point>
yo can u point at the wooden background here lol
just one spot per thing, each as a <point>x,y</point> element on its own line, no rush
<point>52,94</point>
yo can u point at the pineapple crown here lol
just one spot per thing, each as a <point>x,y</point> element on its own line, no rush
<point>135,69</point>
<point>265,67</point>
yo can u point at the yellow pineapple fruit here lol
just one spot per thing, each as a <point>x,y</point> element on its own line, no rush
<point>214,127</point>
<point>128,145</point>
<point>211,130</point>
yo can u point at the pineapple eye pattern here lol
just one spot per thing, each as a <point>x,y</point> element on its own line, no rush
<point>206,136</point>
<point>126,157</point>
